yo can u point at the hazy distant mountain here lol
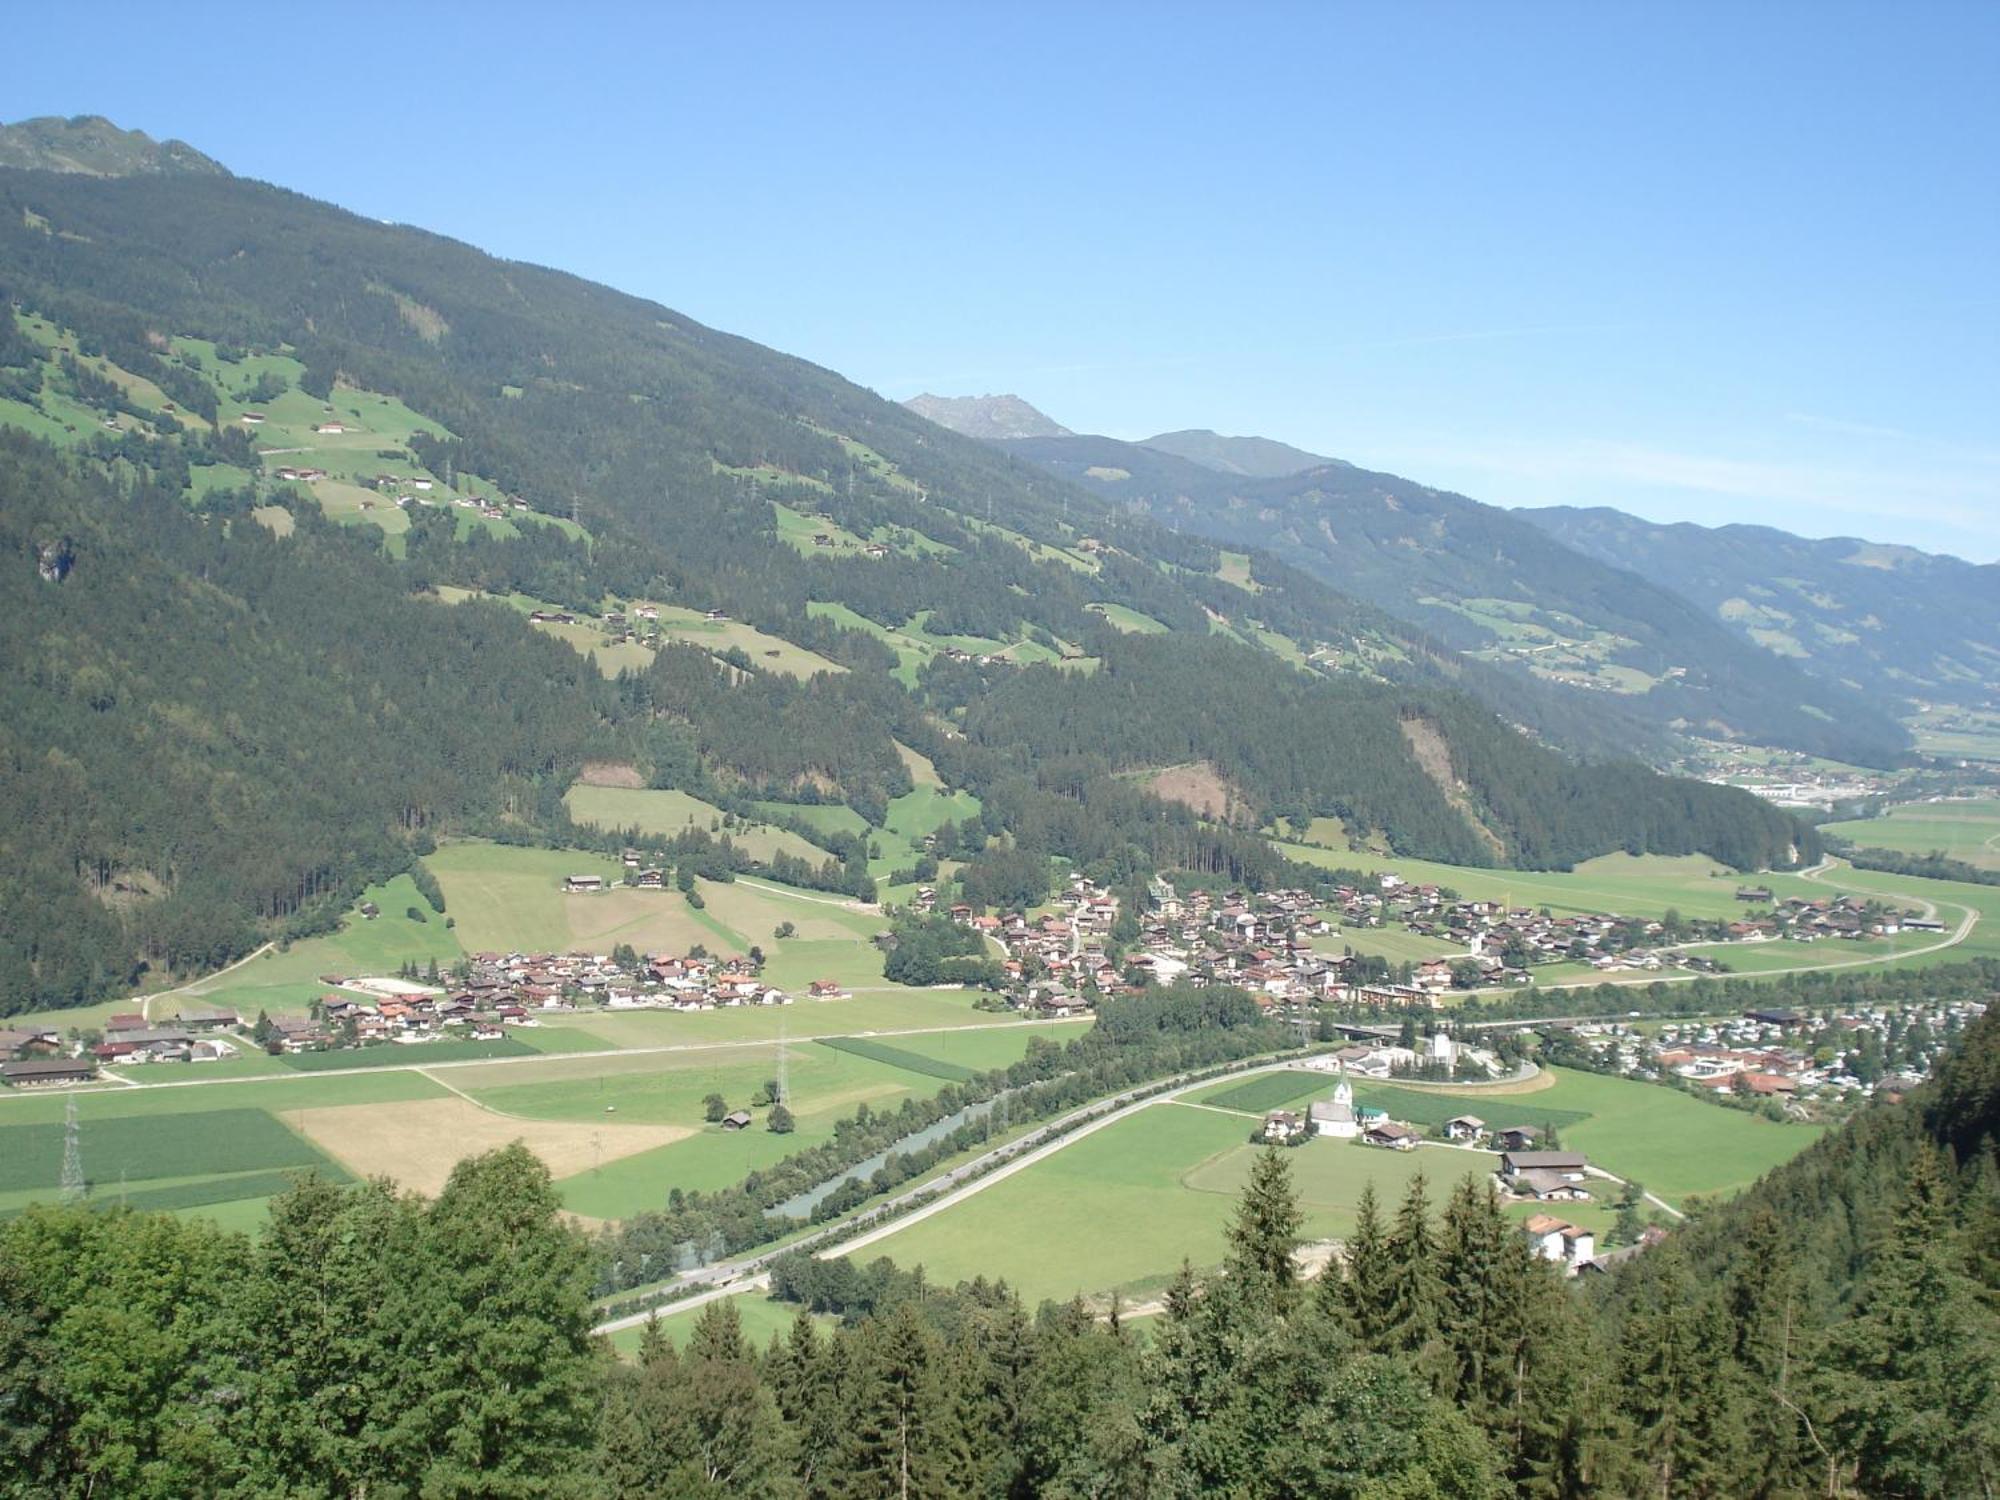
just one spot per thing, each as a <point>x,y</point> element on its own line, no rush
<point>93,146</point>
<point>988,417</point>
<point>1891,620</point>
<point>1252,457</point>
<point>1497,587</point>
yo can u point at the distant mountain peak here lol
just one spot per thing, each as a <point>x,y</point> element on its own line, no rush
<point>989,417</point>
<point>94,147</point>
<point>1251,457</point>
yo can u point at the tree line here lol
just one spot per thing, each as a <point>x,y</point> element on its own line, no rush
<point>1832,1332</point>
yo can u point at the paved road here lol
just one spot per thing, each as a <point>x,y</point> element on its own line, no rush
<point>747,1273</point>
<point>1820,873</point>
<point>416,1064</point>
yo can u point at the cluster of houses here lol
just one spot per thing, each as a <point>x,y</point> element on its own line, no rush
<point>1798,783</point>
<point>38,1057</point>
<point>1848,917</point>
<point>1056,964</point>
<point>1527,1173</point>
<point>1789,1055</point>
<point>496,991</point>
<point>1281,945</point>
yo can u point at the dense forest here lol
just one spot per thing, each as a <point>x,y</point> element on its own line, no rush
<point>211,734</point>
<point>1342,749</point>
<point>308,718</point>
<point>1832,1332</point>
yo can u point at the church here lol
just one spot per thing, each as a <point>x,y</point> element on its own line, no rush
<point>1335,1116</point>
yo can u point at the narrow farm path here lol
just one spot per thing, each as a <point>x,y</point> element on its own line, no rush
<point>146,1001</point>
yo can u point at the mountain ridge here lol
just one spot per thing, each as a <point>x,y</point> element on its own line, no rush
<point>261,379</point>
<point>1492,584</point>
<point>1891,619</point>
<point>1250,457</point>
<point>986,417</point>
<point>93,146</point>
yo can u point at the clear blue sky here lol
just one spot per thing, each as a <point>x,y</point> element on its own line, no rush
<point>1702,261</point>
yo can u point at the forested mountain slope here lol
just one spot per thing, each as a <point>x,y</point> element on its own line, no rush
<point>205,730</point>
<point>1252,457</point>
<point>1485,581</point>
<point>1896,622</point>
<point>268,433</point>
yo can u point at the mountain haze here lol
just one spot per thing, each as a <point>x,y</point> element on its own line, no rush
<point>1894,621</point>
<point>1489,583</point>
<point>1251,457</point>
<point>989,417</point>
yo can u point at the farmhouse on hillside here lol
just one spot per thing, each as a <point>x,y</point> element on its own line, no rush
<point>1549,1176</point>
<point>1560,1241</point>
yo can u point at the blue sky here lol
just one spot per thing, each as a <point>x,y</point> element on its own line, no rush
<point>1704,261</point>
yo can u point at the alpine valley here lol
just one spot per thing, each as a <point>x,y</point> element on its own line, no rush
<point>590,910</point>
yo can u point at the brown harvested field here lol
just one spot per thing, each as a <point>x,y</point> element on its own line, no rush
<point>610,773</point>
<point>419,1141</point>
<point>1543,1079</point>
<point>1199,787</point>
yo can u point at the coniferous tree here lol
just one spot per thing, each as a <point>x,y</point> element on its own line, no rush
<point>1411,1318</point>
<point>1356,1291</point>
<point>1265,1233</point>
<point>1912,1381</point>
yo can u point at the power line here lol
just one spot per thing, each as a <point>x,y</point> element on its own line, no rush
<point>73,1185</point>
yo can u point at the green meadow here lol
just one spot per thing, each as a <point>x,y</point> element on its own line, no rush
<point>222,1151</point>
<point>825,1085</point>
<point>1129,620</point>
<point>1121,1208</point>
<point>1968,831</point>
<point>664,814</point>
<point>286,981</point>
<point>760,1316</point>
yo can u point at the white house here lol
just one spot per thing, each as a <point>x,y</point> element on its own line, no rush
<point>1557,1240</point>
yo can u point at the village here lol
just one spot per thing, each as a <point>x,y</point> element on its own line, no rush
<point>477,1002</point>
<point>1781,1056</point>
<point>1283,945</point>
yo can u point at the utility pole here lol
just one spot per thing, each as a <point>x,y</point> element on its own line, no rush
<point>73,1185</point>
<point>784,1084</point>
